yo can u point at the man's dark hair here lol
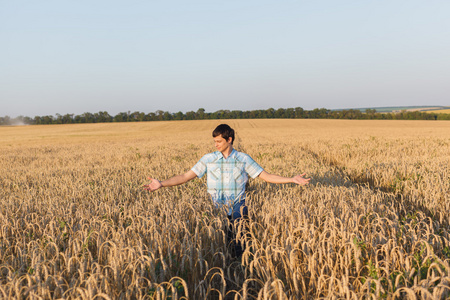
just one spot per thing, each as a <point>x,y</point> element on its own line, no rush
<point>224,130</point>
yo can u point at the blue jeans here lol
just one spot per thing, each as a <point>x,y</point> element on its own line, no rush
<point>237,248</point>
<point>236,213</point>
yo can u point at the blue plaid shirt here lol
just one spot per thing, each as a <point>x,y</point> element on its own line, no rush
<point>227,178</point>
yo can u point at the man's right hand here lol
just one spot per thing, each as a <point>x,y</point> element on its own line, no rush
<point>153,185</point>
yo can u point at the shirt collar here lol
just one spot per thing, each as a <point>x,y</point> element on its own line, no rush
<point>232,154</point>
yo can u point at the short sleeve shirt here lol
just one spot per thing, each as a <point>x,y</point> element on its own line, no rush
<point>226,178</point>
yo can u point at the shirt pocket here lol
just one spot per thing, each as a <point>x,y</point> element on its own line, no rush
<point>238,171</point>
<point>214,171</point>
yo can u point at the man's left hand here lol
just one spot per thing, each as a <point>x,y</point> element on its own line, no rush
<point>300,180</point>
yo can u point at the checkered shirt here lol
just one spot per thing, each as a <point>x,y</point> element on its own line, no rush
<point>227,178</point>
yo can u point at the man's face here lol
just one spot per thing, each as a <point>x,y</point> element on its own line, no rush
<point>221,143</point>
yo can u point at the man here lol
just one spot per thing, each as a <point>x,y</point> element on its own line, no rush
<point>227,174</point>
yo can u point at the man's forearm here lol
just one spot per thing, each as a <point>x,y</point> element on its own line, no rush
<point>272,178</point>
<point>179,179</point>
<point>176,180</point>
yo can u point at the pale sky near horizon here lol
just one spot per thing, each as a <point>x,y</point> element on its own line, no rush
<point>117,56</point>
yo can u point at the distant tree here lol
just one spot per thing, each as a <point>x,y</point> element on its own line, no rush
<point>159,114</point>
<point>88,117</point>
<point>121,117</point>
<point>136,116</point>
<point>269,113</point>
<point>37,120</point>
<point>289,113</point>
<point>151,117</point>
<point>351,114</point>
<point>67,119</point>
<point>236,114</point>
<point>77,119</point>
<point>28,120</point>
<point>279,113</point>
<point>442,116</point>
<point>178,116</point>
<point>6,120</point>
<point>167,116</point>
<point>141,117</point>
<point>47,120</point>
<point>58,119</point>
<point>190,115</point>
<point>103,117</point>
<point>299,112</point>
<point>200,115</point>
<point>317,113</point>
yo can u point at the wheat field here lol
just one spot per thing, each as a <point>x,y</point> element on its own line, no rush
<point>439,111</point>
<point>75,222</point>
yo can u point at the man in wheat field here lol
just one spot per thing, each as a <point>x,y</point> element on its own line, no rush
<point>227,175</point>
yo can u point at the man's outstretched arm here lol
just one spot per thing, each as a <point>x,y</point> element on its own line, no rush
<point>272,178</point>
<point>176,180</point>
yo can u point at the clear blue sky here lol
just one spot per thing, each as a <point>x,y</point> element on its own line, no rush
<point>89,56</point>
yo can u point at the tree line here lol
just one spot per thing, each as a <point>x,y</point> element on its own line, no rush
<point>200,114</point>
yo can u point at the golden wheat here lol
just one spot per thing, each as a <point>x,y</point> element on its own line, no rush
<point>76,223</point>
